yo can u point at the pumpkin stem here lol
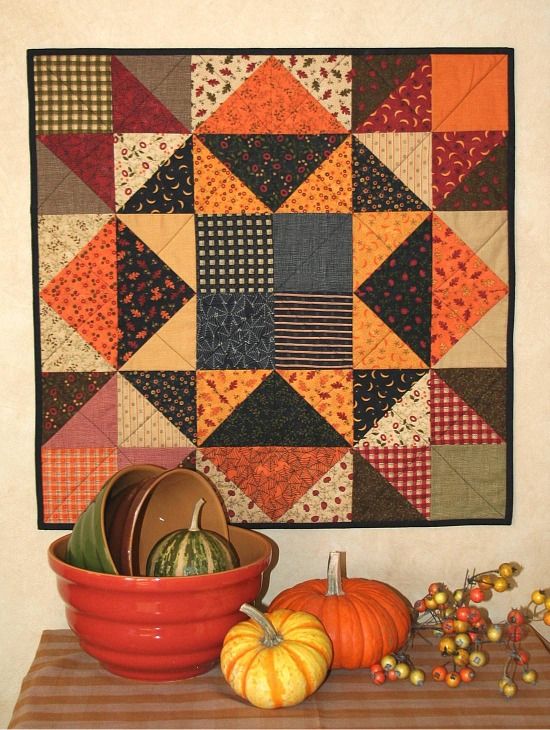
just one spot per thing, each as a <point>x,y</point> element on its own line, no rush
<point>334,575</point>
<point>271,636</point>
<point>194,526</point>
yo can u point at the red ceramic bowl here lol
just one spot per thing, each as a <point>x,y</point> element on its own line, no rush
<point>159,629</point>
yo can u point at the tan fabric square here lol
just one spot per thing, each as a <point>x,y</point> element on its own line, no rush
<point>468,482</point>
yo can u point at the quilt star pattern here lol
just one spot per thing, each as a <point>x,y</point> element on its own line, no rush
<point>291,270</point>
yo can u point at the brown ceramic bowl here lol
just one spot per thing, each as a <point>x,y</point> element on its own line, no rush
<point>170,508</point>
<point>125,522</point>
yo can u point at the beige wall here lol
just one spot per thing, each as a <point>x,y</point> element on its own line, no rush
<point>409,558</point>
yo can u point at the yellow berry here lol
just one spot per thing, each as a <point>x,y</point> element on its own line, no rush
<point>505,570</point>
<point>462,641</point>
<point>494,633</point>
<point>530,676</point>
<point>546,618</point>
<point>461,657</point>
<point>500,585</point>
<point>447,645</point>
<point>430,603</point>
<point>538,597</point>
<point>486,580</point>
<point>509,689</point>
<point>402,670</point>
<point>547,602</point>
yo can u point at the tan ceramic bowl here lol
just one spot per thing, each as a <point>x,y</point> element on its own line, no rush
<point>173,496</point>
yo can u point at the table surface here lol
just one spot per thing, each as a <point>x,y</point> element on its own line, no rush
<point>66,688</point>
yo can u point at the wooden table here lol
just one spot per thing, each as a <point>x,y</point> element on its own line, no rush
<point>65,688</point>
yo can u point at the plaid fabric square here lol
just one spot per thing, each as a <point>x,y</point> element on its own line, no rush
<point>72,478</point>
<point>406,468</point>
<point>453,422</point>
<point>313,330</point>
<point>73,94</point>
<point>235,253</point>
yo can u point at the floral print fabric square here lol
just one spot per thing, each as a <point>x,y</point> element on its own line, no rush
<point>289,270</point>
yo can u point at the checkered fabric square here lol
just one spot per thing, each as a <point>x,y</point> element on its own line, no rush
<point>73,94</point>
<point>407,468</point>
<point>235,253</point>
<point>72,478</point>
<point>453,422</point>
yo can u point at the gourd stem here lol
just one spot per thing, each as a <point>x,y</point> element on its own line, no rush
<point>271,636</point>
<point>194,526</point>
<point>334,575</point>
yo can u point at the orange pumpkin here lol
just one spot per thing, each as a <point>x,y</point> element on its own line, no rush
<point>365,619</point>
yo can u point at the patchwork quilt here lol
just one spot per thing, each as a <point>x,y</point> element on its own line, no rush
<point>289,269</point>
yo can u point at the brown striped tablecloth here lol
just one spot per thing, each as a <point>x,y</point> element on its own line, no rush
<point>65,688</point>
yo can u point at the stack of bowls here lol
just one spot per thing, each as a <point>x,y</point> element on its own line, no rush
<point>135,508</point>
<point>147,628</point>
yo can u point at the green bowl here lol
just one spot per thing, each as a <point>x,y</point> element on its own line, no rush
<point>88,546</point>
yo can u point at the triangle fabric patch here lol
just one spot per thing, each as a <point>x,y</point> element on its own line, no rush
<point>172,347</point>
<point>408,469</point>
<point>453,422</point>
<point>217,189</point>
<point>484,390</point>
<point>84,293</point>
<point>64,394</point>
<point>407,423</point>
<point>375,345</point>
<point>171,393</point>
<point>271,101</point>
<point>61,237</point>
<point>135,108</point>
<point>329,392</point>
<point>408,107</point>
<point>138,157</point>
<point>375,500</point>
<point>399,291</point>
<point>375,77</point>
<point>168,78</point>
<point>71,478</point>
<point>94,425</point>
<point>328,189</point>
<point>59,190</point>
<point>62,349</point>
<point>215,78</point>
<point>149,292</point>
<point>485,187</point>
<point>168,458</point>
<point>90,157</point>
<point>327,78</point>
<point>464,289</point>
<point>376,236</point>
<point>238,505</point>
<point>455,155</point>
<point>171,237</point>
<point>141,425</point>
<point>408,155</point>
<point>272,166</point>
<point>375,394</point>
<point>219,392</point>
<point>376,188</point>
<point>274,478</point>
<point>275,415</point>
<point>329,499</point>
<point>170,188</point>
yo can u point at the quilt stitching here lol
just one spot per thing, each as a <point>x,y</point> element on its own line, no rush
<point>296,326</point>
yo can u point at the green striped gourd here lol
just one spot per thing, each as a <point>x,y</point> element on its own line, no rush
<point>191,552</point>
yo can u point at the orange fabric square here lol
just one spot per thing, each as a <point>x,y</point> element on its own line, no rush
<point>469,92</point>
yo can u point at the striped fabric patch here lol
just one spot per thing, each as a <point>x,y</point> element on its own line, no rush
<point>313,330</point>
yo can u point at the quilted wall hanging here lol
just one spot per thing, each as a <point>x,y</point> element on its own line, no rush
<point>289,269</point>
